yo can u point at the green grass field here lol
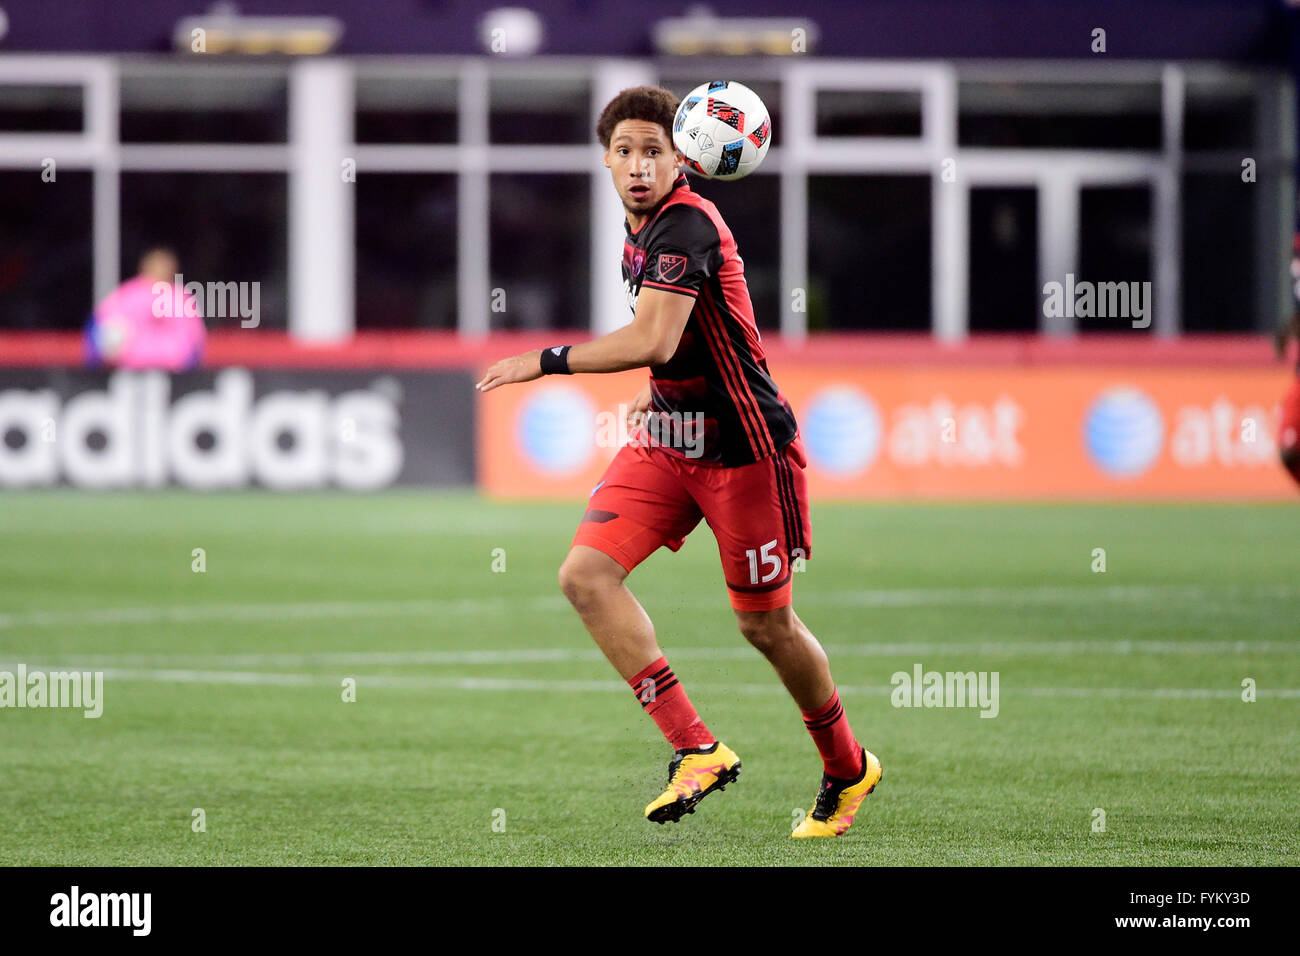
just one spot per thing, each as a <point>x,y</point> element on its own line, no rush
<point>481,700</point>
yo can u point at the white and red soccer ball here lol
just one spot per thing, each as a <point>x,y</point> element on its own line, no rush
<point>722,130</point>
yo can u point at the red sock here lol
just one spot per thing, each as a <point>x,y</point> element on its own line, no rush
<point>665,700</point>
<point>829,727</point>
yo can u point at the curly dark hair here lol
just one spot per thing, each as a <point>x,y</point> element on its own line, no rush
<point>653,104</point>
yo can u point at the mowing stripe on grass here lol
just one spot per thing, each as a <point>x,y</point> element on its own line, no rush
<point>739,651</point>
<point>897,597</point>
<point>175,676</point>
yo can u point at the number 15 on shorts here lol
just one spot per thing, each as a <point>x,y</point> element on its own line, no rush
<point>764,557</point>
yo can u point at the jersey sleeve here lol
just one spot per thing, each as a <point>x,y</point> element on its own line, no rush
<point>684,250</point>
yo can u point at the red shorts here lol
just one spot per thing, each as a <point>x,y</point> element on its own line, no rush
<point>1288,432</point>
<point>758,513</point>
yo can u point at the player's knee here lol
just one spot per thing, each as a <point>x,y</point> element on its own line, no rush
<point>768,631</point>
<point>572,582</point>
<point>583,580</point>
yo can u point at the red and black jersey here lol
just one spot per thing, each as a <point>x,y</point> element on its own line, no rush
<point>719,371</point>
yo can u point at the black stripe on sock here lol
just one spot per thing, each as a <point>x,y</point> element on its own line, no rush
<point>822,723</point>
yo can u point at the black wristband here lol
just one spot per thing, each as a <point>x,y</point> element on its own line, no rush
<point>555,361</point>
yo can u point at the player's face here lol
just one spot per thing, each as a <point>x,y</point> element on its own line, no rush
<point>643,162</point>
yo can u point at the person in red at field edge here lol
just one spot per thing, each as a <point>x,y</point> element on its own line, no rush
<point>1288,432</point>
<point>714,439</point>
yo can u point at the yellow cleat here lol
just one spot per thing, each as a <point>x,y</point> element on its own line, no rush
<point>693,775</point>
<point>838,801</point>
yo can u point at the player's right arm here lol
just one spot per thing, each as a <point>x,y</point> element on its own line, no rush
<point>649,339</point>
<point>685,249</point>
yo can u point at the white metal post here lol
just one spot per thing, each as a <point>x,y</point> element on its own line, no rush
<point>1167,212</point>
<point>102,110</point>
<point>321,203</point>
<point>798,108</point>
<point>609,309</point>
<point>1058,241</point>
<point>950,216</point>
<point>473,204</point>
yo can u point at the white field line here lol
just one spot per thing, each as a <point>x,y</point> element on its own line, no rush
<point>895,597</point>
<point>739,651</point>
<point>200,613</point>
<point>615,686</point>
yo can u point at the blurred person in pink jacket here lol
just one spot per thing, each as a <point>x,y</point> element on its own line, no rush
<point>149,321</point>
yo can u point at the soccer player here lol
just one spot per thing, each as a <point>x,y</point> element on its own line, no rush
<point>1288,433</point>
<point>715,440</point>
<point>148,321</point>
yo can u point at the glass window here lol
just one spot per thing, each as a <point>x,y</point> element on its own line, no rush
<point>541,109</point>
<point>1004,292</point>
<point>406,251</point>
<point>46,267</point>
<point>1219,114</point>
<point>1059,115</point>
<point>541,248</point>
<point>42,108</point>
<point>751,208</point>
<point>204,104</point>
<point>1218,267</point>
<point>869,113</point>
<point>401,108</point>
<point>869,253</point>
<point>1114,244</point>
<point>224,227</point>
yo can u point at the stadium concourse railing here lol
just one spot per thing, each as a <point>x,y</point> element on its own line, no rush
<point>881,416</point>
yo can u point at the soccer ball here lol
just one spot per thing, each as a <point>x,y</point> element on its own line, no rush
<point>722,130</point>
